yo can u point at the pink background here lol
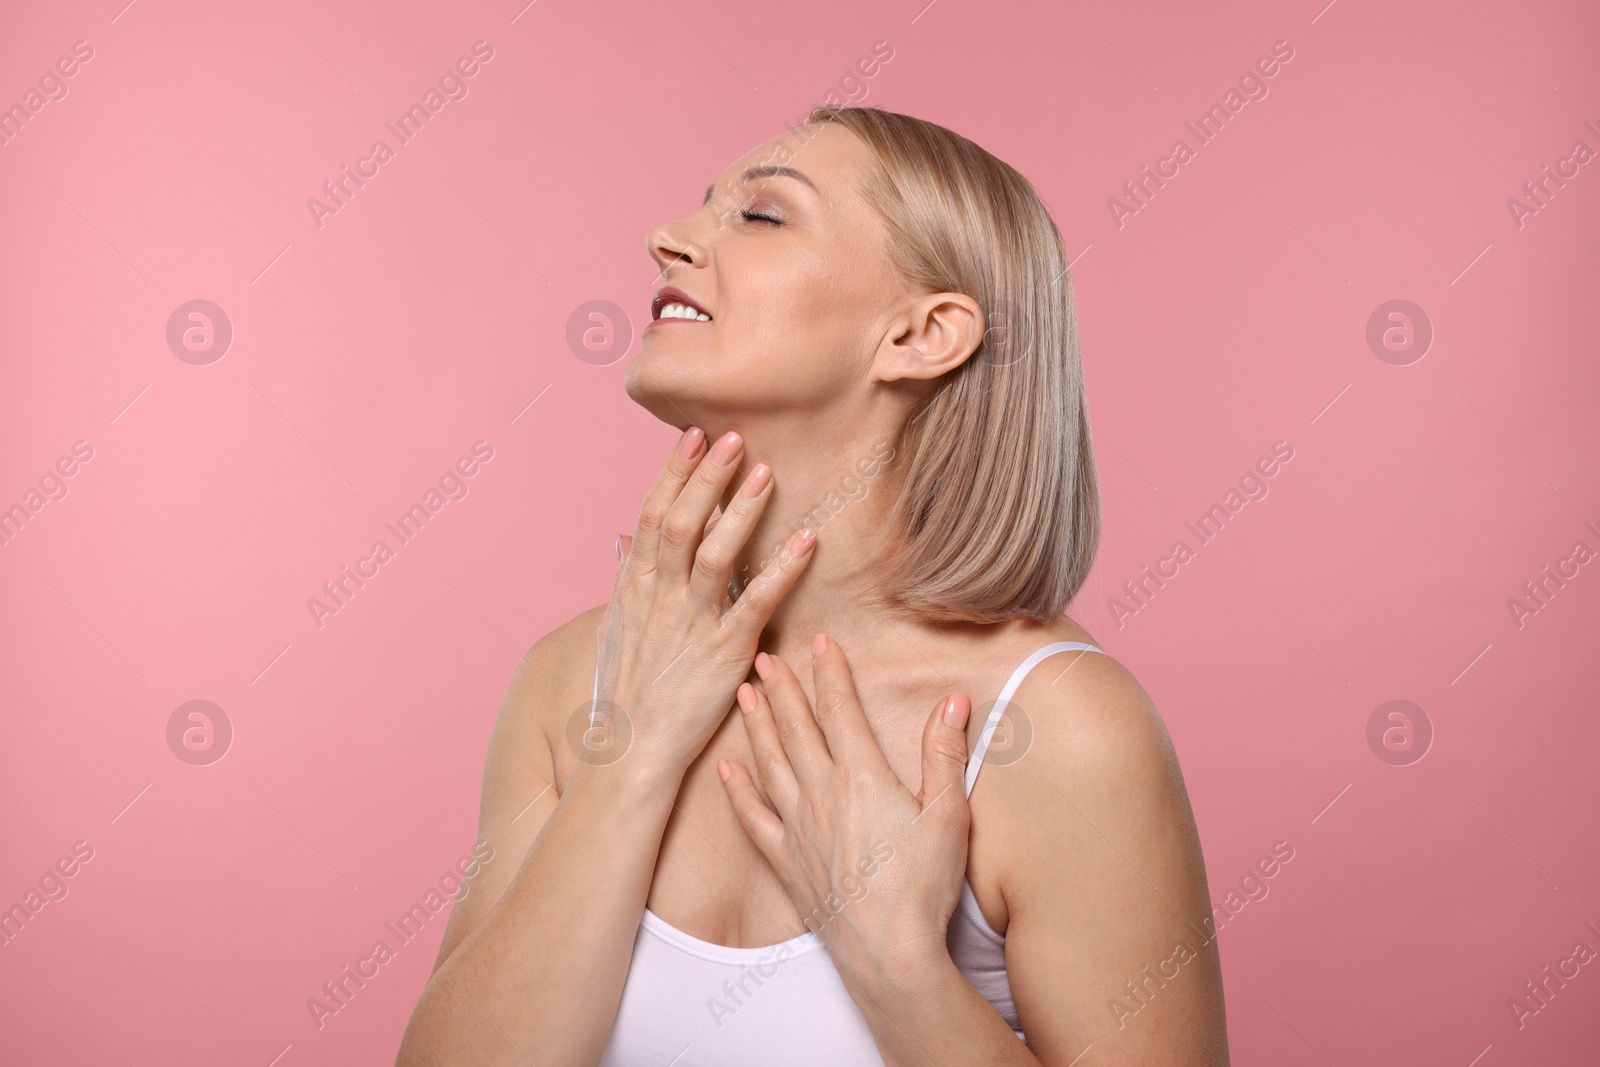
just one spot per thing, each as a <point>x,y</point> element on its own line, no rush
<point>430,312</point>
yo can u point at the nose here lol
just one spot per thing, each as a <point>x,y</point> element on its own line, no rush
<point>671,243</point>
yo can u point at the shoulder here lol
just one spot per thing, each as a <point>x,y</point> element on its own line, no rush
<point>1092,720</point>
<point>1089,791</point>
<point>1076,712</point>
<point>550,682</point>
<point>1095,745</point>
<point>1101,869</point>
<point>519,769</point>
<point>559,659</point>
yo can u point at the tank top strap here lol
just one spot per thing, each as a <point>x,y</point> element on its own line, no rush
<point>975,761</point>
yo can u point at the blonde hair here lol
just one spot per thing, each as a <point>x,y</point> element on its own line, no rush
<point>998,514</point>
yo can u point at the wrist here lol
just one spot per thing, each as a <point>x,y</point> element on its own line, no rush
<point>905,971</point>
<point>645,747</point>
<point>637,783</point>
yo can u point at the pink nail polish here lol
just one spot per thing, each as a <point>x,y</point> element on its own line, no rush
<point>763,665</point>
<point>691,442</point>
<point>758,480</point>
<point>819,645</point>
<point>726,448</point>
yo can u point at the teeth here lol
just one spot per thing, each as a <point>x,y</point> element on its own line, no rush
<point>681,311</point>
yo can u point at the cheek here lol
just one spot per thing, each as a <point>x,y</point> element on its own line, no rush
<point>796,344</point>
<point>800,321</point>
<point>810,308</point>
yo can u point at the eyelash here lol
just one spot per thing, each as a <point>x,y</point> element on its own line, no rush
<point>752,216</point>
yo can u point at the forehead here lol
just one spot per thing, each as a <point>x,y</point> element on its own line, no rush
<point>837,162</point>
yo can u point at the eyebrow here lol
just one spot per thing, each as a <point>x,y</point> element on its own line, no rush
<point>763,172</point>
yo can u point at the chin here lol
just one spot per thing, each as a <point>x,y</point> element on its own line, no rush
<point>687,385</point>
<point>651,389</point>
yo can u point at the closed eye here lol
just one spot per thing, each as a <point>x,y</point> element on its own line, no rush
<point>752,216</point>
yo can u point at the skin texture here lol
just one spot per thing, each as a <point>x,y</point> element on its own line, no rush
<point>1083,850</point>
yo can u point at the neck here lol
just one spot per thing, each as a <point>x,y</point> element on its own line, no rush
<point>843,493</point>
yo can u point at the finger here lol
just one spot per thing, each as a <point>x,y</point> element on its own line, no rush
<point>798,732</point>
<point>624,546</point>
<point>684,524</point>
<point>775,774</point>
<point>761,826</point>
<point>725,538</point>
<point>760,598</point>
<point>839,712</point>
<point>944,758</point>
<point>669,483</point>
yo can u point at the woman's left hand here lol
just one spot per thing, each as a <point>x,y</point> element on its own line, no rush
<point>874,869</point>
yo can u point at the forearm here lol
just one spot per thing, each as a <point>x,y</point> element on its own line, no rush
<point>540,978</point>
<point>925,1012</point>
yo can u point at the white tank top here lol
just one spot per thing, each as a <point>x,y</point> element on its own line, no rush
<point>692,1003</point>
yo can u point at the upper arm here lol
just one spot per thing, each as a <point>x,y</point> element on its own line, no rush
<point>1109,939</point>
<point>519,791</point>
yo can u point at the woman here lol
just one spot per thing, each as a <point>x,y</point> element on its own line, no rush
<point>869,319</point>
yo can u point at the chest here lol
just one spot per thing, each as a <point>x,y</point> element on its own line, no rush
<point>710,880</point>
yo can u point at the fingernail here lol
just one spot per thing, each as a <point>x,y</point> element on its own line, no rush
<point>763,665</point>
<point>619,548</point>
<point>801,542</point>
<point>759,477</point>
<point>819,645</point>
<point>723,769</point>
<point>747,698</point>
<point>691,442</point>
<point>726,448</point>
<point>955,712</point>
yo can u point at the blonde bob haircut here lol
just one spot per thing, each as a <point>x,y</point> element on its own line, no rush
<point>998,513</point>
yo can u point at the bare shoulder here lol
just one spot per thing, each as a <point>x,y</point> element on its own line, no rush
<point>1097,750</point>
<point>1093,720</point>
<point>550,682</point>
<point>519,768</point>
<point>549,689</point>
<point>1102,873</point>
<point>1078,715</point>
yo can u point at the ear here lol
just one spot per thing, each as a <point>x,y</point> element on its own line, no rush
<point>935,335</point>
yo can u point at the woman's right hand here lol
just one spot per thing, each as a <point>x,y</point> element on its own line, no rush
<point>673,646</point>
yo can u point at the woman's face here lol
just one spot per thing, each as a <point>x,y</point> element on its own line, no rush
<point>788,260</point>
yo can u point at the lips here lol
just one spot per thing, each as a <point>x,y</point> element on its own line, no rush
<point>669,295</point>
